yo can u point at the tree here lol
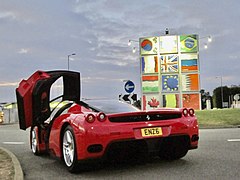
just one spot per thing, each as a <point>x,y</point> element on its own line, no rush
<point>234,90</point>
<point>204,97</point>
<point>228,92</point>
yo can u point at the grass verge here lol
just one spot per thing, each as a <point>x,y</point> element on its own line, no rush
<point>218,118</point>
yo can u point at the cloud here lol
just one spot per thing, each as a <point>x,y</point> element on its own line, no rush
<point>16,16</point>
<point>6,84</point>
<point>99,79</point>
<point>118,63</point>
<point>7,15</point>
<point>235,57</point>
<point>23,51</point>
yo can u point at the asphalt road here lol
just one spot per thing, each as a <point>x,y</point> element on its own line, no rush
<point>218,157</point>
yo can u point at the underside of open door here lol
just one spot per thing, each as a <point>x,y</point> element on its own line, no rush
<point>33,95</point>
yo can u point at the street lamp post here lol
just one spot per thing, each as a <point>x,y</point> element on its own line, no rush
<point>220,77</point>
<point>69,58</point>
<point>130,41</point>
<point>222,91</point>
<point>209,41</point>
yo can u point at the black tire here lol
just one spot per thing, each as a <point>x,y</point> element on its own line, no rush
<point>174,148</point>
<point>34,141</point>
<point>69,149</point>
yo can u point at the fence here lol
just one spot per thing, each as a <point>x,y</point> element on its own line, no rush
<point>10,116</point>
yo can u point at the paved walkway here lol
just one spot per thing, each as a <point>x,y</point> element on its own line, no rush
<point>8,158</point>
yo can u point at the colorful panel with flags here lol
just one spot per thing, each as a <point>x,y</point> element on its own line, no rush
<point>168,44</point>
<point>170,83</point>
<point>171,100</point>
<point>189,62</point>
<point>150,101</point>
<point>149,45</point>
<point>150,84</point>
<point>169,63</point>
<point>191,101</point>
<point>189,43</point>
<point>169,69</point>
<point>190,82</point>
<point>149,64</point>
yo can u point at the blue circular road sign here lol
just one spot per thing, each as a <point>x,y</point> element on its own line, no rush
<point>129,87</point>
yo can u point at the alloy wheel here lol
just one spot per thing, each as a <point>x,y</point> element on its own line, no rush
<point>68,148</point>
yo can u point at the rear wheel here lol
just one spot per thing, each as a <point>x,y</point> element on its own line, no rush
<point>174,148</point>
<point>69,149</point>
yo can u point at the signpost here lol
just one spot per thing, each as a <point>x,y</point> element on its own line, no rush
<point>128,98</point>
<point>236,97</point>
<point>129,86</point>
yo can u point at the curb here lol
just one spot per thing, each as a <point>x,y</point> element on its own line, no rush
<point>18,175</point>
<point>218,127</point>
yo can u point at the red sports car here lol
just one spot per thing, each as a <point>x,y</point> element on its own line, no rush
<point>76,130</point>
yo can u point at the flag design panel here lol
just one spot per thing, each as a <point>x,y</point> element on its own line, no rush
<point>189,62</point>
<point>150,84</point>
<point>189,43</point>
<point>170,83</point>
<point>168,44</point>
<point>149,45</point>
<point>149,64</point>
<point>171,100</point>
<point>190,82</point>
<point>191,101</point>
<point>169,63</point>
<point>150,101</point>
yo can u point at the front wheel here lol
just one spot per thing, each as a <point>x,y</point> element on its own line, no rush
<point>69,149</point>
<point>35,140</point>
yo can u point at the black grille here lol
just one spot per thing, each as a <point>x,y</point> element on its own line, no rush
<point>140,118</point>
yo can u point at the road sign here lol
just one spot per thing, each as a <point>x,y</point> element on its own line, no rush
<point>129,86</point>
<point>236,97</point>
<point>128,98</point>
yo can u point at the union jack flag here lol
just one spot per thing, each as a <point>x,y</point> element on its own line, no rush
<point>169,63</point>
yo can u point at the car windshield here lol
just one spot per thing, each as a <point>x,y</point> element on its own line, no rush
<point>111,106</point>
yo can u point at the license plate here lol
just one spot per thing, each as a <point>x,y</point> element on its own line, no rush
<point>146,132</point>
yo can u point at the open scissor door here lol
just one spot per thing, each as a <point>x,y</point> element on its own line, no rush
<point>33,95</point>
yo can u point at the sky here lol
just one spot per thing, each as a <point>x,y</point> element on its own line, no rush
<point>39,35</point>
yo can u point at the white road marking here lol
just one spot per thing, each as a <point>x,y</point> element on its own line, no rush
<point>233,140</point>
<point>13,143</point>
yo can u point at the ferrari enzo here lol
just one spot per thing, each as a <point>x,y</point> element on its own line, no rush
<point>75,130</point>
